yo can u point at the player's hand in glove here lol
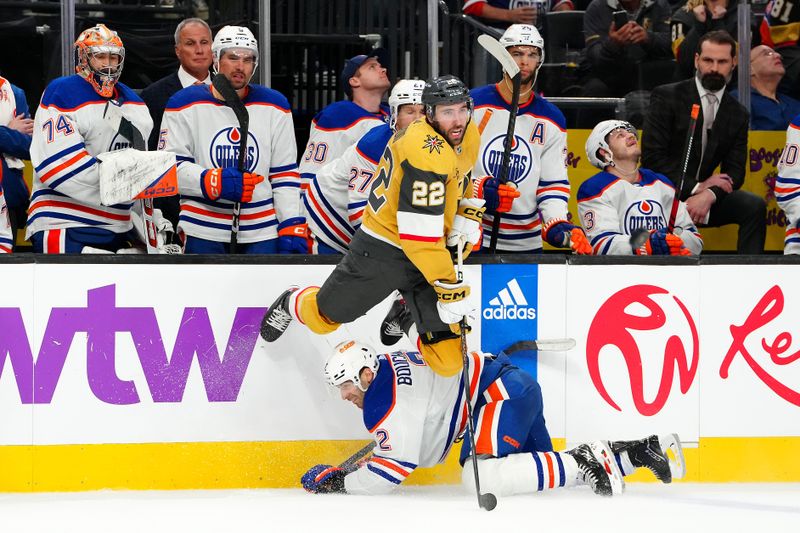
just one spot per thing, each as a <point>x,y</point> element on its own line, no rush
<point>229,184</point>
<point>324,479</point>
<point>454,303</point>
<point>662,243</point>
<point>467,224</point>
<point>293,236</point>
<point>562,234</point>
<point>498,196</point>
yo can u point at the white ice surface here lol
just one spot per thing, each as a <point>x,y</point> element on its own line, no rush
<point>645,508</point>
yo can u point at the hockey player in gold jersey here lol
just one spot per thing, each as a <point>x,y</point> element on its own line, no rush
<point>419,209</point>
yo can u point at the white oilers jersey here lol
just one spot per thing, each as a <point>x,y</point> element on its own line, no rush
<point>204,134</point>
<point>6,241</point>
<point>337,194</point>
<point>415,416</point>
<point>68,132</point>
<point>787,186</point>
<point>610,209</point>
<point>334,129</point>
<point>537,165</point>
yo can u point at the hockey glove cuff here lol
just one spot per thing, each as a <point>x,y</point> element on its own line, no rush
<point>454,303</point>
<point>324,479</point>
<point>293,236</point>
<point>467,224</point>
<point>561,234</point>
<point>498,196</point>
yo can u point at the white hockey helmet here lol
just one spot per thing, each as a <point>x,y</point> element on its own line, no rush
<point>599,139</point>
<point>524,35</point>
<point>233,37</point>
<point>347,361</point>
<point>404,92</point>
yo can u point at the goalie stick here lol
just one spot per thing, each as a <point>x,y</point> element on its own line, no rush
<point>493,46</point>
<point>232,100</point>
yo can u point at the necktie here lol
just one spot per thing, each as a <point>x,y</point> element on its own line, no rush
<point>709,114</point>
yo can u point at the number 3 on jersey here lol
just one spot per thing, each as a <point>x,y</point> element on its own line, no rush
<point>377,196</point>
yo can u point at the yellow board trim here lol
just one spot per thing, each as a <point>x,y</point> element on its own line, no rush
<point>221,465</point>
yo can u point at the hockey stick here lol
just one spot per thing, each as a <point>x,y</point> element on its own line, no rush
<point>232,100</point>
<point>486,501</point>
<point>493,46</point>
<point>677,199</point>
<point>125,128</point>
<point>356,457</point>
<point>541,345</point>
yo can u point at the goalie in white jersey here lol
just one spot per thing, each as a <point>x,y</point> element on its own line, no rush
<point>205,135</point>
<point>337,194</point>
<point>787,187</point>
<point>417,415</point>
<point>70,132</point>
<point>533,204</point>
<point>625,199</point>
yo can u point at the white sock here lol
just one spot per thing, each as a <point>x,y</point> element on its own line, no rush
<point>523,473</point>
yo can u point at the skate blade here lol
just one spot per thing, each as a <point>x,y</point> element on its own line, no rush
<point>671,445</point>
<point>603,452</point>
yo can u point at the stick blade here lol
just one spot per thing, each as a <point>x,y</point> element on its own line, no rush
<point>493,46</point>
<point>542,345</point>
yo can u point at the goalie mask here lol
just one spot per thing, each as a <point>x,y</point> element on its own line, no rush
<point>599,139</point>
<point>347,361</point>
<point>404,92</point>
<point>524,35</point>
<point>90,62</point>
<point>236,37</point>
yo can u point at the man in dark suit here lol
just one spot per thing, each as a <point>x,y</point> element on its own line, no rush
<point>720,140</point>
<point>193,48</point>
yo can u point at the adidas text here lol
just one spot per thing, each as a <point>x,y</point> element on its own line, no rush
<point>509,312</point>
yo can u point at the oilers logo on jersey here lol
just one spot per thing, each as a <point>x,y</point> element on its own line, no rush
<point>644,214</point>
<point>118,143</point>
<point>224,149</point>
<point>520,162</point>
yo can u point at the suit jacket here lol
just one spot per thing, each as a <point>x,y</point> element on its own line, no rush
<point>156,96</point>
<point>667,125</point>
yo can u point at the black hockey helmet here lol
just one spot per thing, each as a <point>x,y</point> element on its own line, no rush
<point>444,90</point>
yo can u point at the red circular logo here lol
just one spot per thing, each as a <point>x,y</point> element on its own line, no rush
<point>612,326</point>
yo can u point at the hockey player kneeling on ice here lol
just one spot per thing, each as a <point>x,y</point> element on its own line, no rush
<point>417,415</point>
<point>206,138</point>
<point>624,200</point>
<point>70,133</point>
<point>419,208</point>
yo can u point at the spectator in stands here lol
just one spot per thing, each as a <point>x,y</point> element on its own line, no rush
<point>340,125</point>
<point>692,21</point>
<point>720,140</point>
<point>16,130</point>
<point>621,58</point>
<point>780,30</point>
<point>770,109</point>
<point>193,48</point>
<point>503,13</point>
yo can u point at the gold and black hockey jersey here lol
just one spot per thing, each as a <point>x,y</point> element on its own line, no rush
<point>420,181</point>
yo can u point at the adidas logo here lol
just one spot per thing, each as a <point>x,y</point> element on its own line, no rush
<point>509,303</point>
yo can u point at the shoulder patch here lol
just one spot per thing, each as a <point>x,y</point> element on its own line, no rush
<point>380,397</point>
<point>433,143</point>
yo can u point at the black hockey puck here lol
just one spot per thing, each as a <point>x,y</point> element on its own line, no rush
<point>488,501</point>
